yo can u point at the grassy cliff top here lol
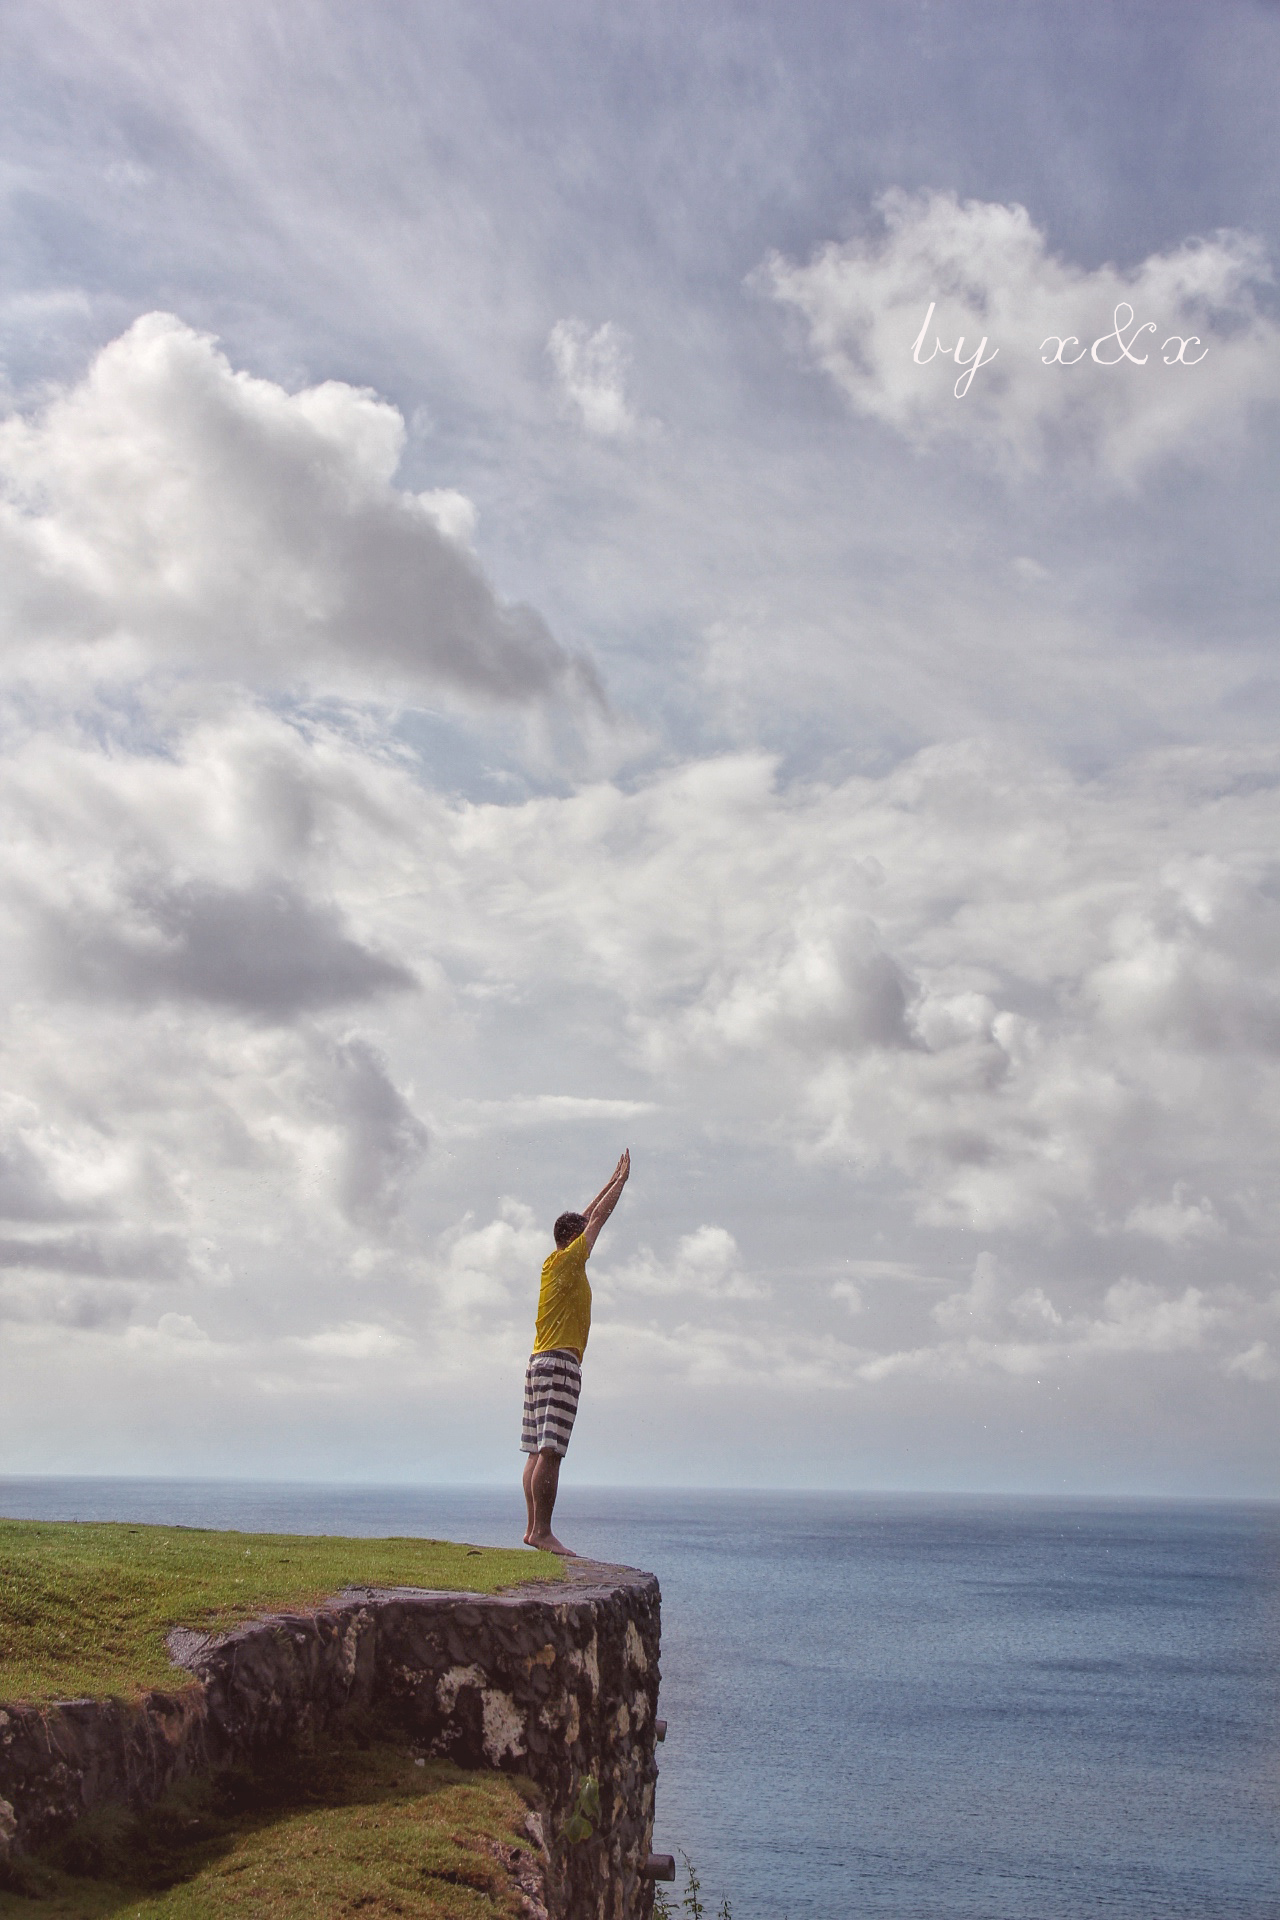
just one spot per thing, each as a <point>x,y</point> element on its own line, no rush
<point>85,1607</point>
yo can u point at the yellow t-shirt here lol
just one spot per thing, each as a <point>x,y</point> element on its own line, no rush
<point>564,1300</point>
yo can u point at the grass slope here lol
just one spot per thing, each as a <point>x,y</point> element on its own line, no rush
<point>85,1607</point>
<point>335,1831</point>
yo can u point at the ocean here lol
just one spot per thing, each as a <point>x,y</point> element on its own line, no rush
<point>912,1708</point>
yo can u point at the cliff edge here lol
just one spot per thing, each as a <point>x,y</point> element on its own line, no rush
<point>557,1681</point>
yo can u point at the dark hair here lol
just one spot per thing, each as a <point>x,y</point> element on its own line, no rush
<point>568,1227</point>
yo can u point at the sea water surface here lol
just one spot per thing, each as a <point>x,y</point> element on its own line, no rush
<point>907,1708</point>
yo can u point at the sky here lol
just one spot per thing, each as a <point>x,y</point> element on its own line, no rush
<point>698,579</point>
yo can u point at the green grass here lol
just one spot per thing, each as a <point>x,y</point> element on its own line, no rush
<point>85,1607</point>
<point>334,1831</point>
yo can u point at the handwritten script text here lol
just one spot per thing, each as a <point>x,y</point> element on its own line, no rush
<point>1108,350</point>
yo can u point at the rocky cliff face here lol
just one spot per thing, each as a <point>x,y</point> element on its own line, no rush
<point>558,1682</point>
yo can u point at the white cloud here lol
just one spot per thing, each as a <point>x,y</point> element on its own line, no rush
<point>180,1326</point>
<point>170,511</point>
<point>977,1307</point>
<point>491,1269</point>
<point>849,1295</point>
<point>1177,1220</point>
<point>705,1264</point>
<point>993,285</point>
<point>1018,1003</point>
<point>1137,1318</point>
<point>352,1340</point>
<point>591,372</point>
<point>273,994</point>
<point>693,1353</point>
<point>997,1323</point>
<point>989,1328</point>
<point>452,512</point>
<point>933,972</point>
<point>542,1109</point>
<point>1256,1363</point>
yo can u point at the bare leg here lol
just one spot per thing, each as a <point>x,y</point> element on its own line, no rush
<point>530,1462</point>
<point>545,1481</point>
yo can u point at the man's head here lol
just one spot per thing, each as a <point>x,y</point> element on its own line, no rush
<point>568,1227</point>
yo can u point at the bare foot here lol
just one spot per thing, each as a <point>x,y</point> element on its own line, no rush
<point>547,1543</point>
<point>528,1538</point>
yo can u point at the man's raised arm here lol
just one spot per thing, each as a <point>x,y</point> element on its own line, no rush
<point>606,1200</point>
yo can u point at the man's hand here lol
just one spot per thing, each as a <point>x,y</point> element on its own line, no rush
<point>607,1198</point>
<point>613,1185</point>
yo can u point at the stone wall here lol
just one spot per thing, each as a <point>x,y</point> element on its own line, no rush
<point>559,1682</point>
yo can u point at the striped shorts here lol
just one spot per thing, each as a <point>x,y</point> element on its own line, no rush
<point>552,1383</point>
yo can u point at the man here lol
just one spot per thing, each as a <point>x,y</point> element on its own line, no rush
<point>554,1375</point>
